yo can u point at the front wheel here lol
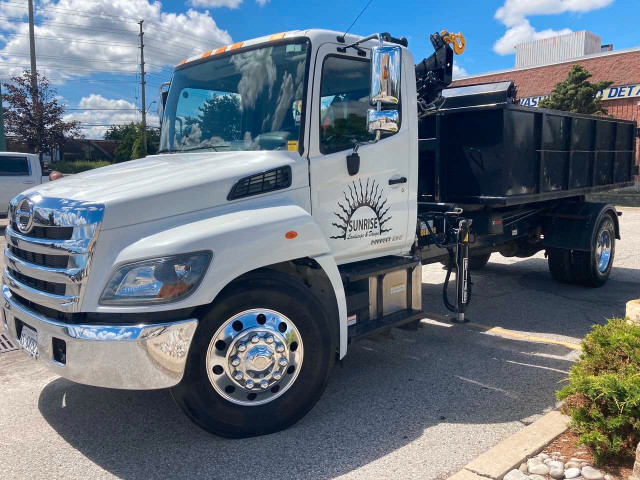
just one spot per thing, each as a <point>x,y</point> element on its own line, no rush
<point>260,359</point>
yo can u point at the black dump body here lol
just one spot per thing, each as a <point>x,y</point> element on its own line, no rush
<point>480,148</point>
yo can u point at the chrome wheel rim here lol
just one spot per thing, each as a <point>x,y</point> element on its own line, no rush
<point>254,357</point>
<point>603,250</point>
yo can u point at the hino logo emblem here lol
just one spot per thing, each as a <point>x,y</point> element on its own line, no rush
<point>24,215</point>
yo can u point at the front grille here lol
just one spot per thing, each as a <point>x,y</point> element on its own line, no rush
<point>52,233</point>
<point>52,261</point>
<point>49,312</point>
<point>49,287</point>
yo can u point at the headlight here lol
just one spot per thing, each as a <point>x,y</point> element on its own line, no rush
<point>157,280</point>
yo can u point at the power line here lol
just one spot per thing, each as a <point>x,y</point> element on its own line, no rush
<point>75,26</point>
<point>177,33</point>
<point>101,109</point>
<point>66,58</point>
<point>43,8</point>
<point>67,39</point>
<point>46,67</point>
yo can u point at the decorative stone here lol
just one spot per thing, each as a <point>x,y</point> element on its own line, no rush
<point>540,469</point>
<point>523,468</point>
<point>591,473</point>
<point>515,475</point>
<point>608,477</point>
<point>534,461</point>
<point>548,461</point>
<point>536,477</point>
<point>543,456</point>
<point>572,464</point>
<point>556,469</point>
<point>572,472</point>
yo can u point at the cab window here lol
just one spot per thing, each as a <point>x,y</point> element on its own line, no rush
<point>344,103</point>
<point>13,166</point>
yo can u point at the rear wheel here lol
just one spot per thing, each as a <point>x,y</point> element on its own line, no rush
<point>560,265</point>
<point>478,262</point>
<point>260,359</point>
<point>593,268</point>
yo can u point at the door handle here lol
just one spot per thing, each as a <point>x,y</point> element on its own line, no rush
<point>29,182</point>
<point>396,181</point>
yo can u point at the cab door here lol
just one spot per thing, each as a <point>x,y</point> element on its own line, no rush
<point>367,214</point>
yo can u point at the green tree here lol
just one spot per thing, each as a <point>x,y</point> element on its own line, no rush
<point>220,116</point>
<point>127,135</point>
<point>37,117</point>
<point>577,94</point>
<point>137,151</point>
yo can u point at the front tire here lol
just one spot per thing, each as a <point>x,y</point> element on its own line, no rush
<point>260,359</point>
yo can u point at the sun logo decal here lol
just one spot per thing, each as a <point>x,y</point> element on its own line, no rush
<point>363,212</point>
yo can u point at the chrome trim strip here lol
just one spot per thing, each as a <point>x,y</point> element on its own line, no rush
<point>48,246</point>
<point>63,303</point>
<point>59,212</point>
<point>136,357</point>
<point>48,274</point>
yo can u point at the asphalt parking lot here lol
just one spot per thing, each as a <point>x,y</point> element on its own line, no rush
<point>420,404</point>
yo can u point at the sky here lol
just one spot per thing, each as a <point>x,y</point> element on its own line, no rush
<point>88,48</point>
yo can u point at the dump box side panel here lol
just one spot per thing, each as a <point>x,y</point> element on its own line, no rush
<point>507,154</point>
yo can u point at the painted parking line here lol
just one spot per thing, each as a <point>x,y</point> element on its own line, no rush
<point>435,318</point>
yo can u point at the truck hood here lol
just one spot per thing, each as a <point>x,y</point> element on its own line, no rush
<point>160,186</point>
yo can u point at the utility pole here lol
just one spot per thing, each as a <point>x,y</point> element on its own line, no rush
<point>143,84</point>
<point>3,142</point>
<point>34,76</point>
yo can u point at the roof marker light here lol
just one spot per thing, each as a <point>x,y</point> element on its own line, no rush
<point>236,46</point>
<point>221,50</point>
<point>183,62</point>
<point>278,36</point>
<point>207,53</point>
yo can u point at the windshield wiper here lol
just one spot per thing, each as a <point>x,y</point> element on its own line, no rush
<point>204,146</point>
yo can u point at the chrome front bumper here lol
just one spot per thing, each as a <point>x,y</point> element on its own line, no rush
<point>134,357</point>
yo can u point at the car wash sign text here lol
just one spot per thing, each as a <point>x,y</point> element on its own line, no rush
<point>625,91</point>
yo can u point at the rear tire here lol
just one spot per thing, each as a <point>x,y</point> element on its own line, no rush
<point>478,262</point>
<point>560,265</point>
<point>215,399</point>
<point>593,268</point>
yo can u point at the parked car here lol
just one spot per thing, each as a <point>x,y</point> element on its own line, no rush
<point>18,172</point>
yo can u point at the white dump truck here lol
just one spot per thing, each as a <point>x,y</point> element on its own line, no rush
<point>18,172</point>
<point>302,180</point>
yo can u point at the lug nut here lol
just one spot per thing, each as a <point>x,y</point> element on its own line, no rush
<point>255,339</point>
<point>264,384</point>
<point>277,376</point>
<point>242,347</point>
<point>249,384</point>
<point>282,362</point>
<point>270,339</point>
<point>238,375</point>
<point>235,361</point>
<point>280,347</point>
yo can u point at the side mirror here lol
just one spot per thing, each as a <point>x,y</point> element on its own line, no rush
<point>162,99</point>
<point>382,121</point>
<point>386,69</point>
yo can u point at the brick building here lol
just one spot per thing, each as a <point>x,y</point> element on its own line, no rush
<point>535,82</point>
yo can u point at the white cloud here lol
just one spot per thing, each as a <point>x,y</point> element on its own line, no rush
<point>459,72</point>
<point>262,3</point>
<point>106,40</point>
<point>104,111</point>
<point>513,14</point>
<point>215,3</point>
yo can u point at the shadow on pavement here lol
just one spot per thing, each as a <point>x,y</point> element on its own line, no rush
<point>387,394</point>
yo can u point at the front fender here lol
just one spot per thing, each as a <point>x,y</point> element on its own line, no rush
<point>241,240</point>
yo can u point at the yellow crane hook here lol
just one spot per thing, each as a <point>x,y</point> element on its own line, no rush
<point>457,41</point>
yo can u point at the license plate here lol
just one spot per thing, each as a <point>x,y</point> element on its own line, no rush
<point>29,341</point>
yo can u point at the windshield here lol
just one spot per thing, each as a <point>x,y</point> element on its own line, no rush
<point>248,101</point>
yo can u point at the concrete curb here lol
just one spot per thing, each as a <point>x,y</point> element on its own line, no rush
<point>510,453</point>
